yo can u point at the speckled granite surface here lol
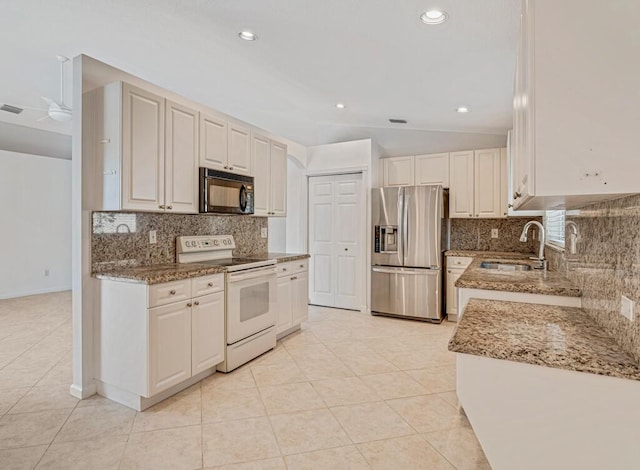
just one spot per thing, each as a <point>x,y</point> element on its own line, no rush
<point>157,274</point>
<point>530,282</point>
<point>493,254</point>
<point>122,238</point>
<point>551,336</point>
<point>475,234</point>
<point>606,264</point>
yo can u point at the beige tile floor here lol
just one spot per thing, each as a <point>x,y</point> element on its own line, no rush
<point>348,391</point>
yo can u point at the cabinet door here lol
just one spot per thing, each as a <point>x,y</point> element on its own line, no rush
<point>285,303</point>
<point>239,151</point>
<point>142,149</point>
<point>181,159</point>
<point>207,332</point>
<point>213,142</point>
<point>262,169</point>
<point>487,183</point>
<point>451,297</point>
<point>398,171</point>
<point>278,184</point>
<point>169,346</point>
<point>461,184</point>
<point>300,294</point>
<point>432,169</point>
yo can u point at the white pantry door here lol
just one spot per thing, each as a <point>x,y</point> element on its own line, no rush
<point>336,239</point>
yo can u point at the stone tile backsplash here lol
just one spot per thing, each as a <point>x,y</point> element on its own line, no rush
<point>475,234</point>
<point>606,264</point>
<point>122,239</point>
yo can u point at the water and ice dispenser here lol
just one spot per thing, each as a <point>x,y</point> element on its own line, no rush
<point>386,239</point>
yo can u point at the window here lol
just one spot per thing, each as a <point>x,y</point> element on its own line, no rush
<point>554,226</point>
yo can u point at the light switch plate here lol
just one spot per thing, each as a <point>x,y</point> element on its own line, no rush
<point>494,233</point>
<point>626,307</point>
<point>152,237</point>
<point>264,232</point>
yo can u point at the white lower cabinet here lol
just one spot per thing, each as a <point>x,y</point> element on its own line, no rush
<point>456,265</point>
<point>153,341</point>
<point>293,296</point>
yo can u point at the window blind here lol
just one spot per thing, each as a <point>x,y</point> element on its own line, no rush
<point>554,226</point>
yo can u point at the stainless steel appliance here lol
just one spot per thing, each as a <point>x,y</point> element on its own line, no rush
<point>225,193</point>
<point>250,296</point>
<point>406,277</point>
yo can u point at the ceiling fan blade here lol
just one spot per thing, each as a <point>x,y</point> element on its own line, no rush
<point>51,103</point>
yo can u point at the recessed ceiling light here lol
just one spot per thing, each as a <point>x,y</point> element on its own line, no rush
<point>340,105</point>
<point>462,109</point>
<point>434,17</point>
<point>247,35</point>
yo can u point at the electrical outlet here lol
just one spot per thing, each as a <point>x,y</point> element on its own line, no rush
<point>626,307</point>
<point>152,237</point>
<point>264,232</point>
<point>46,272</point>
<point>494,233</point>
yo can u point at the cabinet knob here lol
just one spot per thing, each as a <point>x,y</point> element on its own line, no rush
<point>294,278</point>
<point>516,195</point>
<point>189,304</point>
<point>161,207</point>
<point>284,269</point>
<point>226,167</point>
<point>210,284</point>
<point>470,215</point>
<point>169,207</point>
<point>346,249</point>
<point>302,265</point>
<point>172,292</point>
<point>231,168</point>
<point>196,303</point>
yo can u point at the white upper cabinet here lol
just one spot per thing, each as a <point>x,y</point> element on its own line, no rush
<point>239,149</point>
<point>575,137</point>
<point>213,142</point>
<point>418,170</point>
<point>432,169</point>
<point>398,171</point>
<point>142,157</point>
<point>477,184</point>
<point>181,159</point>
<point>146,151</point>
<point>461,181</point>
<point>269,160</point>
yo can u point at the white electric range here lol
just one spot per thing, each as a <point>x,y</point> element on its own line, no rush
<point>250,296</point>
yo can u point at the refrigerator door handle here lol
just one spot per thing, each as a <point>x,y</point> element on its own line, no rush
<point>405,228</point>
<point>401,243</point>
<point>403,271</point>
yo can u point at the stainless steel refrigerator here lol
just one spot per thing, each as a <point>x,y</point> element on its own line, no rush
<point>406,271</point>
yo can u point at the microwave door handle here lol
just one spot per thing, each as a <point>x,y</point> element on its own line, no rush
<point>243,198</point>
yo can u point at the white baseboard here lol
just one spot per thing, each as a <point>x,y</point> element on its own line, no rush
<point>34,292</point>
<point>83,392</point>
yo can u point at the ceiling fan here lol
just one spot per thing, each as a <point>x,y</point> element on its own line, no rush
<point>57,110</point>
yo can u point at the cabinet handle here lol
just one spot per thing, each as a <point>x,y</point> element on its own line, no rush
<point>196,303</point>
<point>210,284</point>
<point>231,168</point>
<point>105,141</point>
<point>172,292</point>
<point>516,195</point>
<point>161,207</point>
<point>226,167</point>
<point>294,278</point>
<point>169,207</point>
<point>189,304</point>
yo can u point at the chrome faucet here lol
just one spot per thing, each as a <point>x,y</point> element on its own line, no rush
<point>542,263</point>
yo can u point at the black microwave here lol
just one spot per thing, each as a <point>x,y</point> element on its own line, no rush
<point>225,193</point>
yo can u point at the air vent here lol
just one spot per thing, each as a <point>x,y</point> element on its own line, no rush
<point>11,109</point>
<point>398,121</point>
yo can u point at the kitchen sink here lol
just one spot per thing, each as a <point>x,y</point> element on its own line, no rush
<point>505,266</point>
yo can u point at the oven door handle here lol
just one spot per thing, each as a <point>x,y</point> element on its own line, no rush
<point>252,274</point>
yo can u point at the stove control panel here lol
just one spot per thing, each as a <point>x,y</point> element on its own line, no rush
<point>203,243</point>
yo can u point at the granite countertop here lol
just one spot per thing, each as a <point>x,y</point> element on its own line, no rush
<point>545,335</point>
<point>531,282</point>
<point>494,254</point>
<point>159,273</point>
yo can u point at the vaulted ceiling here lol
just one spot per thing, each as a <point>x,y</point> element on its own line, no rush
<point>375,56</point>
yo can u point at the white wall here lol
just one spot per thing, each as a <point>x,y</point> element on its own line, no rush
<point>340,156</point>
<point>35,204</point>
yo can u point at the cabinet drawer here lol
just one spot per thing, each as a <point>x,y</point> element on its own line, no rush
<point>458,261</point>
<point>169,292</point>
<point>207,284</point>
<point>292,267</point>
